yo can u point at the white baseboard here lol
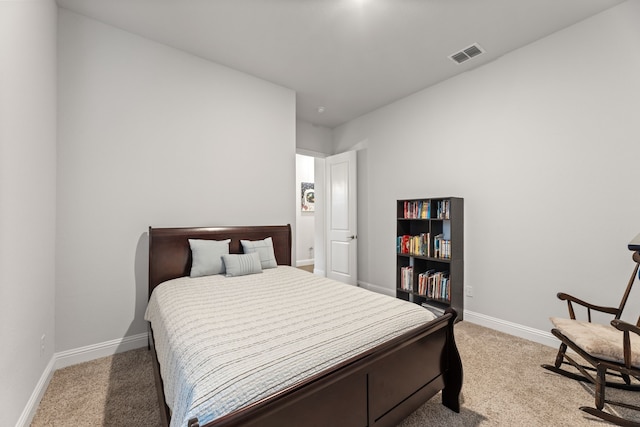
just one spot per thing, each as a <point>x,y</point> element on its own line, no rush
<point>515,329</point>
<point>319,272</point>
<point>96,351</point>
<point>531,334</point>
<point>73,357</point>
<point>303,262</point>
<point>32,405</point>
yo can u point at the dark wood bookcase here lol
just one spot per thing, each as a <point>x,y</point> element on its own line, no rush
<point>436,226</point>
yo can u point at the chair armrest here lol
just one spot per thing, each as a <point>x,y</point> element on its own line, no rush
<point>626,340</point>
<point>570,299</point>
<point>625,327</point>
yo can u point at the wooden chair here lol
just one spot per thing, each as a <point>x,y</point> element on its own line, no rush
<point>612,351</point>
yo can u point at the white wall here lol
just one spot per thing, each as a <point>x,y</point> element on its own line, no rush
<point>313,140</point>
<point>149,135</point>
<point>27,201</point>
<point>305,221</point>
<point>543,145</point>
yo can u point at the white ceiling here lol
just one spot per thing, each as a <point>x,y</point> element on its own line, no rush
<point>350,56</point>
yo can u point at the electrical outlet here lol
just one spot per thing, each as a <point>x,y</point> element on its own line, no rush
<point>42,344</point>
<point>468,291</point>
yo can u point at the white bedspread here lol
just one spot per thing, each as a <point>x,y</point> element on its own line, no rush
<point>225,342</point>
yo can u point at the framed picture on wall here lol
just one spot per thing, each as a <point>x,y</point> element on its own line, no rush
<point>308,197</point>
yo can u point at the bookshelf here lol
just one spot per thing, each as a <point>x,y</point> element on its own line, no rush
<point>430,253</point>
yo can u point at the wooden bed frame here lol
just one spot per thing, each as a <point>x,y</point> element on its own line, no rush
<point>379,387</point>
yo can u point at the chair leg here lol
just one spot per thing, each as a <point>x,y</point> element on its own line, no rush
<point>560,355</point>
<point>600,386</point>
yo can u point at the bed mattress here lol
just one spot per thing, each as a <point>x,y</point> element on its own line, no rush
<point>226,342</point>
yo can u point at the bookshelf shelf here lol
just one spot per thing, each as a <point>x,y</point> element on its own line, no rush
<point>429,252</point>
<point>442,260</point>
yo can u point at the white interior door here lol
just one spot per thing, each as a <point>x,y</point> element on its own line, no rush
<point>341,218</point>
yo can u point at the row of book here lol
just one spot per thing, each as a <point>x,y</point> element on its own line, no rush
<point>443,209</point>
<point>420,245</point>
<point>441,247</point>
<point>431,284</point>
<point>406,279</point>
<point>414,245</point>
<point>421,209</point>
<point>434,284</point>
<point>418,209</point>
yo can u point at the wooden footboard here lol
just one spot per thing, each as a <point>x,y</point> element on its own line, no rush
<point>378,388</point>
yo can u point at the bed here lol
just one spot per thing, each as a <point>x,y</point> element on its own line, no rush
<point>369,380</point>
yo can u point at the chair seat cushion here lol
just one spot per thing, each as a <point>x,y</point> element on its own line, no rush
<point>600,341</point>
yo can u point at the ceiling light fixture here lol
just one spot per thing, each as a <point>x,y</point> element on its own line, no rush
<point>321,109</point>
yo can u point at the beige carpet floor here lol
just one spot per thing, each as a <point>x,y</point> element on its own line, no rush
<point>504,385</point>
<point>308,268</point>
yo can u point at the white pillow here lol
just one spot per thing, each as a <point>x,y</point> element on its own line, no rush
<point>207,256</point>
<point>242,264</point>
<point>264,248</point>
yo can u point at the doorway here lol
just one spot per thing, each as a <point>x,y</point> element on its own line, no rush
<point>309,214</point>
<point>326,224</point>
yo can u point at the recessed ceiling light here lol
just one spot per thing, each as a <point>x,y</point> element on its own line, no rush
<point>321,109</point>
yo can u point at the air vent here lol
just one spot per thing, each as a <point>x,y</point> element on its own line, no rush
<point>467,53</point>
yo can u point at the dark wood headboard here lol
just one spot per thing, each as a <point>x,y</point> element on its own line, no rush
<point>170,254</point>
